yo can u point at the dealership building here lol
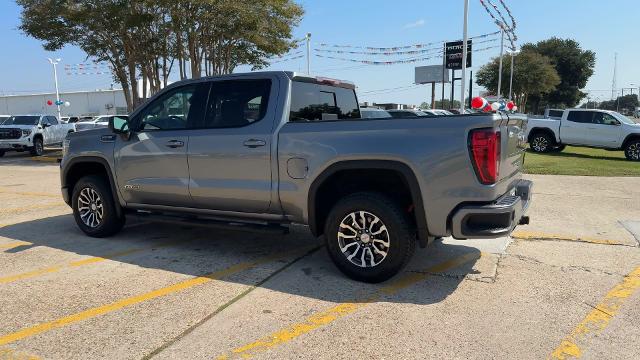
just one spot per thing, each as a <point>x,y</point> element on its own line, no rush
<point>97,102</point>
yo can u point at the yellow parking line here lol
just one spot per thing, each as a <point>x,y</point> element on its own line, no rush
<point>130,301</point>
<point>14,244</point>
<point>341,310</point>
<point>27,193</point>
<point>598,318</point>
<point>31,207</point>
<point>525,235</point>
<point>83,262</point>
<point>43,158</point>
<point>10,354</point>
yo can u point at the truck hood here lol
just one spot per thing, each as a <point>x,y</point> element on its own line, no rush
<point>21,127</point>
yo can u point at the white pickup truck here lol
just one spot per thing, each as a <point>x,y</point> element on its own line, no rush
<point>32,133</point>
<point>581,127</point>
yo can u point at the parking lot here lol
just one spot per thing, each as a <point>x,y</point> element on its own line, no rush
<point>564,286</point>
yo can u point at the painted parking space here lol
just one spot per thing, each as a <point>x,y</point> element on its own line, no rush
<point>162,291</point>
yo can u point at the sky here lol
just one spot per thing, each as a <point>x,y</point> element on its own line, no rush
<point>597,25</point>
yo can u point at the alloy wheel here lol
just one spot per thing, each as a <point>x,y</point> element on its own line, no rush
<point>363,239</point>
<point>90,207</point>
<point>540,144</point>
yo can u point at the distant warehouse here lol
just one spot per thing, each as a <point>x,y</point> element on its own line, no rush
<point>98,102</point>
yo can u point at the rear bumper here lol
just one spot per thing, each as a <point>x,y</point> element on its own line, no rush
<point>495,219</point>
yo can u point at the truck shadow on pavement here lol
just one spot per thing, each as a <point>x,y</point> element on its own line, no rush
<point>578,156</point>
<point>301,265</point>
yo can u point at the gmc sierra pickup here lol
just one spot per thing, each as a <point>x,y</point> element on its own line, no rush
<point>32,133</point>
<point>268,149</point>
<point>584,127</point>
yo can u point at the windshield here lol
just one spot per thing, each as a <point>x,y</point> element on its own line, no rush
<point>22,120</point>
<point>623,118</point>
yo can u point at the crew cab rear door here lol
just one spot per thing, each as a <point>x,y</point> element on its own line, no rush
<point>230,151</point>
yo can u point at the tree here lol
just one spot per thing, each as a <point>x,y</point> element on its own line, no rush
<point>425,105</point>
<point>624,104</point>
<point>142,39</point>
<point>573,65</point>
<point>446,104</point>
<point>533,75</point>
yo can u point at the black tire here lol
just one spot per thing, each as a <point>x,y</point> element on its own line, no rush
<point>1,153</point>
<point>541,142</point>
<point>38,147</point>
<point>401,236</point>
<point>632,150</point>
<point>110,223</point>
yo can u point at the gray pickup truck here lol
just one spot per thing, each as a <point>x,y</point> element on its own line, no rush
<point>269,149</point>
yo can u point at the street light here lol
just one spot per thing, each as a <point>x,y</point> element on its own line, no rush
<point>55,62</point>
<point>513,53</point>
<point>465,38</point>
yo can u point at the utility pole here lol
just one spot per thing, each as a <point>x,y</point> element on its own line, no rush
<point>465,39</point>
<point>614,83</point>
<point>308,38</point>
<point>500,64</point>
<point>55,77</point>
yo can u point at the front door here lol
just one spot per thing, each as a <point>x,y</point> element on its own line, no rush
<point>152,166</point>
<point>606,130</point>
<point>230,155</point>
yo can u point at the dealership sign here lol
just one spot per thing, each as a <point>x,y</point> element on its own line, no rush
<point>453,54</point>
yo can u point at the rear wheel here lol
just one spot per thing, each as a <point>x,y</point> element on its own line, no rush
<point>632,150</point>
<point>1,153</point>
<point>369,237</point>
<point>94,208</point>
<point>38,147</point>
<point>541,142</point>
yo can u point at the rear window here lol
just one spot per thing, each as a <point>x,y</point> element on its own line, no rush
<point>314,102</point>
<point>580,116</point>
<point>555,113</point>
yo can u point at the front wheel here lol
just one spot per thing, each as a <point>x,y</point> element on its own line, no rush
<point>38,147</point>
<point>541,142</point>
<point>369,237</point>
<point>632,150</point>
<point>94,208</point>
<point>1,153</point>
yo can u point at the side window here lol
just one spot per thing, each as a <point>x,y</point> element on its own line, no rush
<point>583,117</point>
<point>175,109</point>
<point>604,119</point>
<point>52,120</point>
<point>236,103</point>
<point>314,102</point>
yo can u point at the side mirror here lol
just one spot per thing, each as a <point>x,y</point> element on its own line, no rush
<point>45,125</point>
<point>119,125</point>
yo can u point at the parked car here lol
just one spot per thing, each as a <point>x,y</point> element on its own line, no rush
<point>95,122</point>
<point>268,149</point>
<point>581,127</point>
<point>406,113</point>
<point>32,133</point>
<point>373,113</point>
<point>4,118</point>
<point>436,112</point>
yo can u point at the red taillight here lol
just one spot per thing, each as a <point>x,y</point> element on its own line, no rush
<point>484,146</point>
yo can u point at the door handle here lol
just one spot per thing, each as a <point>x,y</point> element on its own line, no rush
<point>174,144</point>
<point>254,143</point>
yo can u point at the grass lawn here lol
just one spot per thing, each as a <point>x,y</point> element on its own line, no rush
<point>581,161</point>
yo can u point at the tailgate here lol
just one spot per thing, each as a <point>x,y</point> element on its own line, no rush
<point>513,145</point>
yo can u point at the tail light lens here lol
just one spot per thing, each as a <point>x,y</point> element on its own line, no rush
<point>484,147</point>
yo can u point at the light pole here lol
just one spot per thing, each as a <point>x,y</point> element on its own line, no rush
<point>465,38</point>
<point>513,53</point>
<point>308,38</point>
<point>55,62</point>
<point>501,55</point>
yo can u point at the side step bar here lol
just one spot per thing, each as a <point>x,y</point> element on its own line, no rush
<point>272,228</point>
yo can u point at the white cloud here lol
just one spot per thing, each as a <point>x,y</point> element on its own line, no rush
<point>414,24</point>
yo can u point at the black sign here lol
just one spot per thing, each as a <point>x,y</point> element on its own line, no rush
<point>453,54</point>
